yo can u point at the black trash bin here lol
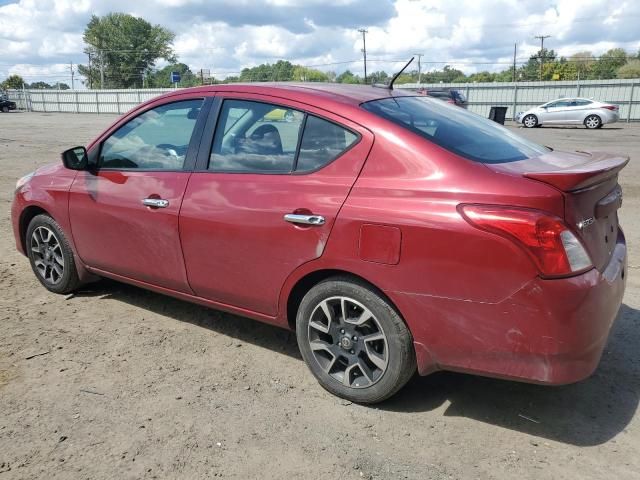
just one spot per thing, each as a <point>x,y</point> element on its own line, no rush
<point>498,114</point>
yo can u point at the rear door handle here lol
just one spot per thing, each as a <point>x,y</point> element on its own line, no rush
<point>155,202</point>
<point>304,219</point>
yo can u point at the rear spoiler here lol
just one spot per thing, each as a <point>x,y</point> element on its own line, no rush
<point>599,168</point>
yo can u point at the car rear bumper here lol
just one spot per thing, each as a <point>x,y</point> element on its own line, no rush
<point>549,331</point>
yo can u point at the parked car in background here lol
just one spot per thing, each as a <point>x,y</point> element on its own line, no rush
<point>449,95</point>
<point>570,111</point>
<point>6,104</point>
<point>393,232</point>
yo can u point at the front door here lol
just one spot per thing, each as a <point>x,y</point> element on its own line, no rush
<point>273,181</point>
<point>124,213</point>
<point>556,112</point>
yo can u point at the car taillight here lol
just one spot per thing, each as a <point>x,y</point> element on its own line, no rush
<point>451,101</point>
<point>554,249</point>
<point>610,107</point>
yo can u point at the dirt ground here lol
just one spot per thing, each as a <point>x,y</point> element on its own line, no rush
<point>131,384</point>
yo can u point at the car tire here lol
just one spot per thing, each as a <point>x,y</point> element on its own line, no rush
<point>365,362</point>
<point>5,109</point>
<point>530,121</point>
<point>50,255</point>
<point>593,121</point>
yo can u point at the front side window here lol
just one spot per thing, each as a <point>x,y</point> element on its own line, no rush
<point>255,137</point>
<point>158,139</point>
<point>455,129</point>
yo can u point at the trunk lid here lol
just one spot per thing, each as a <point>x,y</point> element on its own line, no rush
<point>592,195</point>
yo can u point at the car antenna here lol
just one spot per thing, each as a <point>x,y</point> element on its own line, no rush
<point>390,85</point>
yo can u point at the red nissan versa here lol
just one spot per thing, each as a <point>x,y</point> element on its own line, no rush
<point>393,232</point>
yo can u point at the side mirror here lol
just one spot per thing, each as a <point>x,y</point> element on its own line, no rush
<point>75,158</point>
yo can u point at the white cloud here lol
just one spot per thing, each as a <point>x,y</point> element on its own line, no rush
<point>36,36</point>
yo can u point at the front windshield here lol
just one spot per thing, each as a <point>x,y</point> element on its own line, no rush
<point>459,131</point>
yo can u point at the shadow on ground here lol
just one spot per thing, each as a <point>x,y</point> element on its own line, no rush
<point>587,413</point>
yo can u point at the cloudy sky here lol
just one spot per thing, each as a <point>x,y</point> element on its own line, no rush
<point>38,38</point>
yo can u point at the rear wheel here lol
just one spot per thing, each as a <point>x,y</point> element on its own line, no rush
<point>353,340</point>
<point>530,121</point>
<point>5,109</point>
<point>593,121</point>
<point>50,255</point>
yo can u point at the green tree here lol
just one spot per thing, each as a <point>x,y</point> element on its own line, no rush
<point>583,62</point>
<point>609,63</point>
<point>530,71</point>
<point>378,77</point>
<point>629,70</point>
<point>162,77</point>
<point>305,74</point>
<point>348,77</point>
<point>13,82</point>
<point>124,47</point>
<point>281,71</point>
<point>40,85</point>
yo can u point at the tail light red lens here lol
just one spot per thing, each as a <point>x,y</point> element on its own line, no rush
<point>610,107</point>
<point>554,249</point>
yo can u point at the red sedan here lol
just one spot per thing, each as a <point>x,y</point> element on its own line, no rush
<point>393,232</point>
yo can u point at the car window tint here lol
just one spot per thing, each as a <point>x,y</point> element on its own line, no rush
<point>255,137</point>
<point>560,103</point>
<point>158,139</point>
<point>322,142</point>
<point>582,103</point>
<point>459,131</point>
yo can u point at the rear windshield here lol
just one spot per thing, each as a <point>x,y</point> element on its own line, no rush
<point>459,131</point>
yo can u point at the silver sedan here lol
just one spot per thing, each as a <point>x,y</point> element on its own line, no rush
<point>570,111</point>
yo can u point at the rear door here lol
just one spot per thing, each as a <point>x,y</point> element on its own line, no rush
<point>577,109</point>
<point>265,197</point>
<point>124,213</point>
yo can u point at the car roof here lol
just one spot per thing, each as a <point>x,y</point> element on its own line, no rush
<point>306,92</point>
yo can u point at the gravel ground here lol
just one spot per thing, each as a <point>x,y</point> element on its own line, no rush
<point>126,383</point>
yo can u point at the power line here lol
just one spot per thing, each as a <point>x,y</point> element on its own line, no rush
<point>364,32</point>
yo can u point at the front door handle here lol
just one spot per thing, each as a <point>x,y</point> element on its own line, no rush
<point>155,202</point>
<point>304,219</point>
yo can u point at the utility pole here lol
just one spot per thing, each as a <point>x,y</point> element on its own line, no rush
<point>515,49</point>
<point>419,55</point>
<point>541,37</point>
<point>101,69</point>
<point>364,50</point>
<point>72,73</point>
<point>90,73</point>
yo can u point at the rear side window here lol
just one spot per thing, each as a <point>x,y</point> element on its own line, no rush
<point>582,103</point>
<point>322,142</point>
<point>455,129</point>
<point>255,137</point>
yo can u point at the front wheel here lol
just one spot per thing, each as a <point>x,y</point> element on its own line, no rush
<point>592,121</point>
<point>353,341</point>
<point>530,121</point>
<point>50,255</point>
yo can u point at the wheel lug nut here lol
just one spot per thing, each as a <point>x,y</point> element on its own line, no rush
<point>355,339</point>
<point>342,330</point>
<point>352,352</point>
